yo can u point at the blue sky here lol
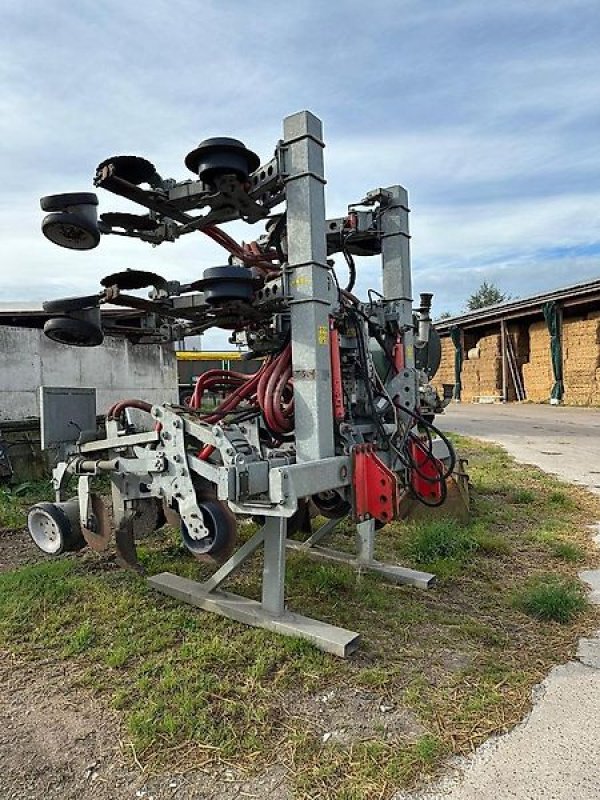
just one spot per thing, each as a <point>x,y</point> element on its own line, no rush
<point>488,112</point>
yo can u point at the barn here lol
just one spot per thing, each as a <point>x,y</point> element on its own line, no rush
<point>544,348</point>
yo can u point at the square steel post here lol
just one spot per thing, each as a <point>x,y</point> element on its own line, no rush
<point>395,253</point>
<point>273,585</point>
<point>310,286</point>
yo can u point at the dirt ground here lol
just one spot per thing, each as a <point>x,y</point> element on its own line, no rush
<point>57,741</point>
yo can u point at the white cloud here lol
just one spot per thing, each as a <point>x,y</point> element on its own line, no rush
<point>486,112</point>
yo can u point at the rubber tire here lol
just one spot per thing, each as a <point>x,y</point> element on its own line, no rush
<point>58,202</point>
<point>218,523</point>
<point>63,305</point>
<point>338,509</point>
<point>71,541</point>
<point>77,221</point>
<point>77,332</point>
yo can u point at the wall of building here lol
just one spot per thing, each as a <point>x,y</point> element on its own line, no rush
<point>116,369</point>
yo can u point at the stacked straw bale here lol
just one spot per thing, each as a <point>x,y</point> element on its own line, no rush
<point>581,360</point>
<point>445,373</point>
<point>482,376</point>
<point>537,373</point>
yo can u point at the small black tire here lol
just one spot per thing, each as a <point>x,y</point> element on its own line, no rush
<point>59,202</point>
<point>63,305</point>
<point>221,527</point>
<point>74,332</point>
<point>72,231</point>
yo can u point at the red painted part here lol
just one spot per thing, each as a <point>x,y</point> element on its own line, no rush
<point>375,486</point>
<point>398,354</point>
<point>337,387</point>
<point>430,467</point>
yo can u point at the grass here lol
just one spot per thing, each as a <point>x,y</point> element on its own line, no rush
<point>547,597</point>
<point>16,499</point>
<point>462,657</point>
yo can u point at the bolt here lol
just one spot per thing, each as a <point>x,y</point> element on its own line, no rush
<point>166,435</point>
<point>177,423</point>
<point>177,458</point>
<point>156,412</point>
<point>183,473</point>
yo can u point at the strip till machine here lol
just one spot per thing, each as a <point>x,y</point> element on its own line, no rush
<point>337,422</point>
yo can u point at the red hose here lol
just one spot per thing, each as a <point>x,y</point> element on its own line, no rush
<point>117,408</point>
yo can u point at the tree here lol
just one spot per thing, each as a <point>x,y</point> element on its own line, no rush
<point>487,295</point>
<point>445,315</point>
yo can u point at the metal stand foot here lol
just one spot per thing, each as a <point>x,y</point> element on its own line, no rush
<point>270,613</point>
<point>365,540</point>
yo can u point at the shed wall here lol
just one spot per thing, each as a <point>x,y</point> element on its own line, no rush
<point>116,369</point>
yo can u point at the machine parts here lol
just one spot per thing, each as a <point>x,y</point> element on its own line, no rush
<point>227,284</point>
<point>73,221</point>
<point>55,527</point>
<point>375,486</point>
<point>337,419</point>
<point>221,156</point>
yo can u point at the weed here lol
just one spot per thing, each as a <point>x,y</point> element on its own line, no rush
<point>551,598</point>
<point>560,498</point>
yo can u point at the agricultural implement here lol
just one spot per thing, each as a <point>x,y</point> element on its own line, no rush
<point>337,421</point>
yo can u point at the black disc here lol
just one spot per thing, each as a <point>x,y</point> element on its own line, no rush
<point>221,155</point>
<point>77,332</point>
<point>133,169</point>
<point>130,279</point>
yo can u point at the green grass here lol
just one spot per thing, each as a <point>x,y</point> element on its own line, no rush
<point>462,656</point>
<point>550,598</point>
<point>16,499</point>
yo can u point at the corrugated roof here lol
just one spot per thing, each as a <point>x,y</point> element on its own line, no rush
<point>578,292</point>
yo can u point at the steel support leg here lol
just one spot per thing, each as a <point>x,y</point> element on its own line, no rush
<point>271,612</point>
<point>364,559</point>
<point>273,586</point>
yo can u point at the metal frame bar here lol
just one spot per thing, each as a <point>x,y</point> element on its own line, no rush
<point>271,612</point>
<point>364,559</point>
<point>310,286</point>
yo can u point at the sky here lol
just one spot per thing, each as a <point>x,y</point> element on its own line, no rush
<point>487,112</point>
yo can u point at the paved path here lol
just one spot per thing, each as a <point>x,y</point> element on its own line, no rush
<point>555,753</point>
<point>562,441</point>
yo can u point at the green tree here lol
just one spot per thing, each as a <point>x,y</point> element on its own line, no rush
<point>487,295</point>
<point>445,315</point>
